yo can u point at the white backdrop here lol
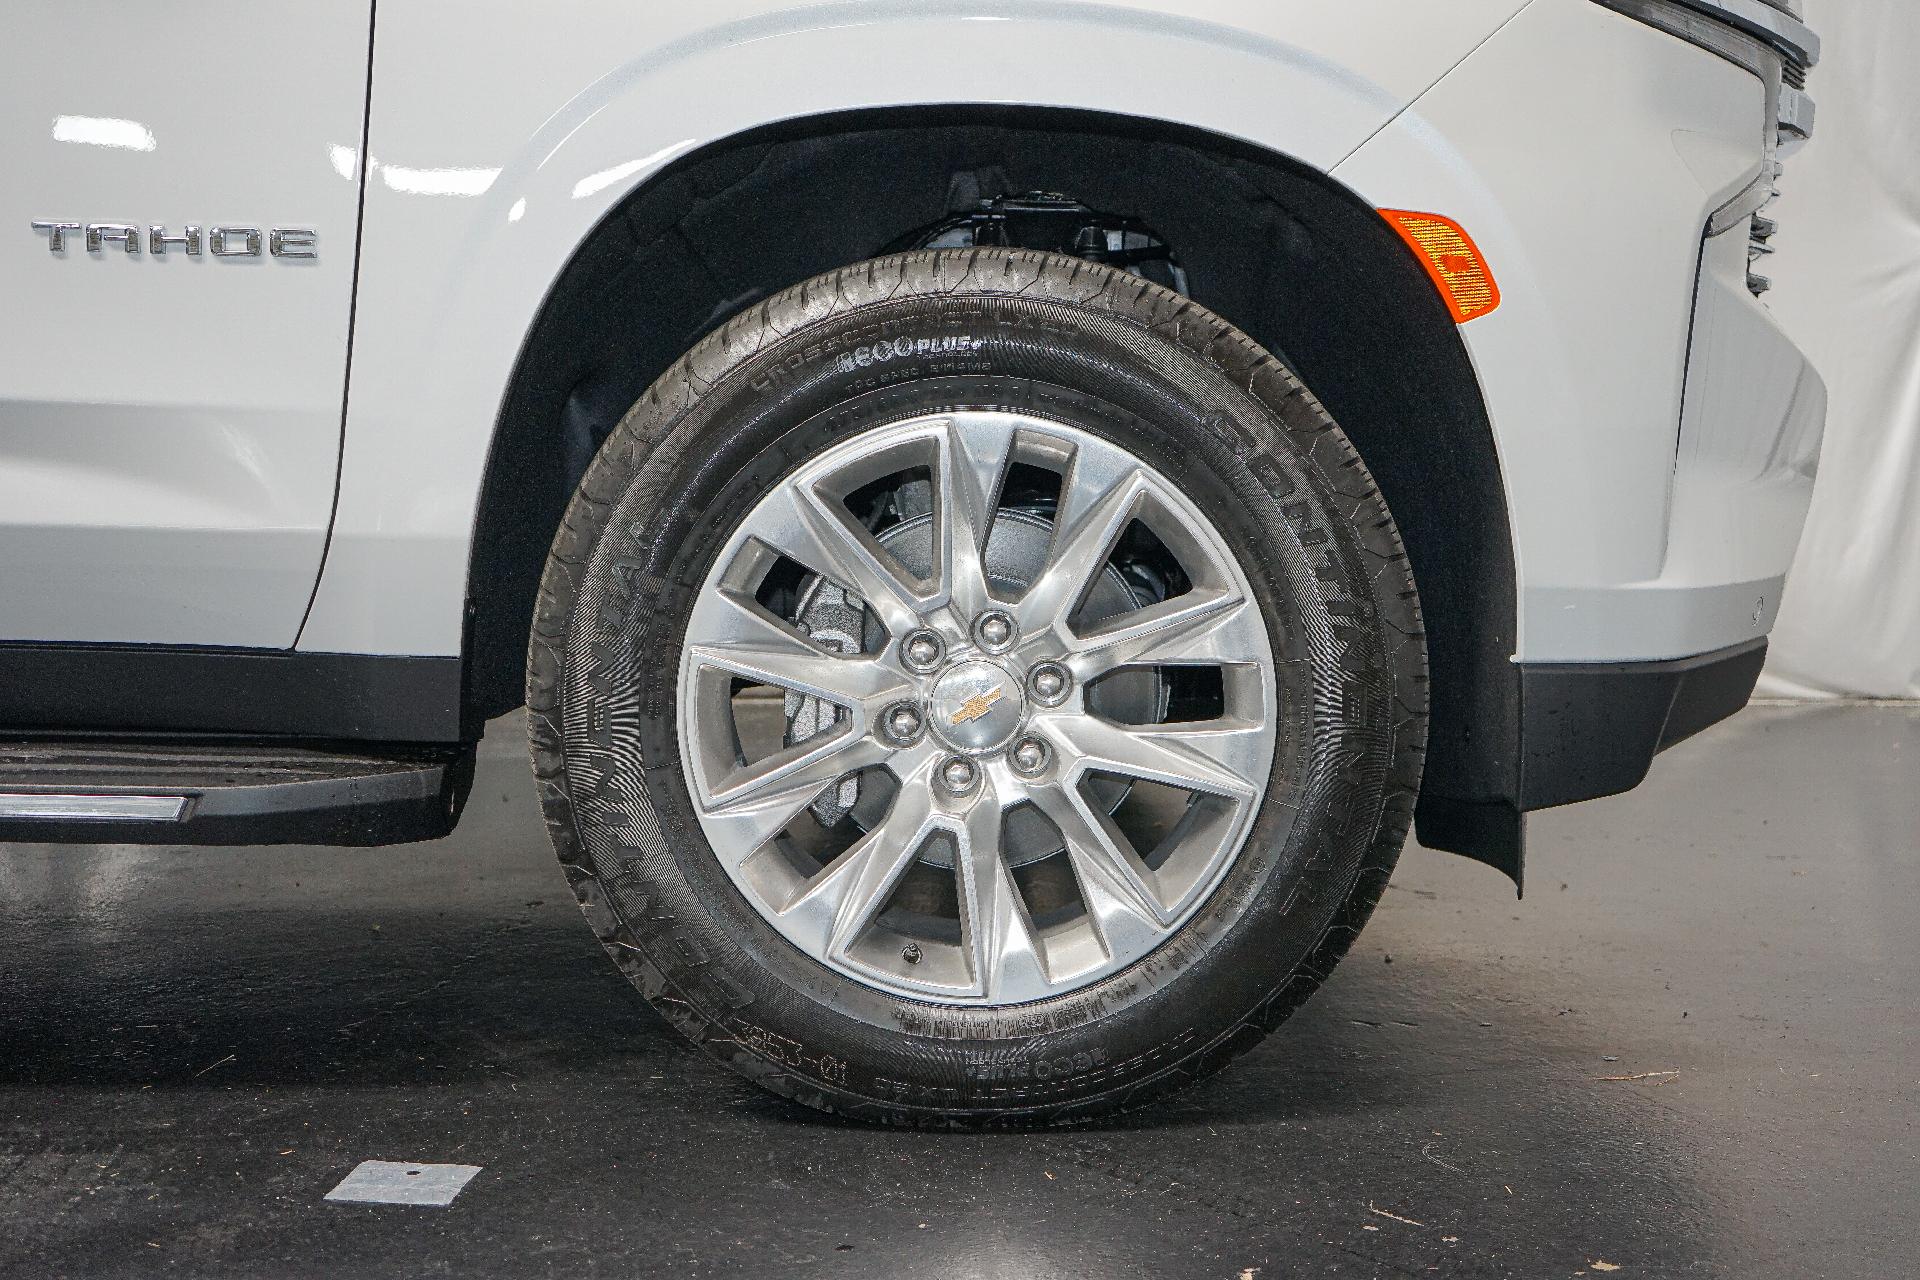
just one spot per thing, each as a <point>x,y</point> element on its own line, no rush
<point>1847,287</point>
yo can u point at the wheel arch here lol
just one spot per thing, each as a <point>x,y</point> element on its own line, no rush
<point>1277,247</point>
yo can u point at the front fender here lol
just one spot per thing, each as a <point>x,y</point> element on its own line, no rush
<point>502,134</point>
<point>1586,152</point>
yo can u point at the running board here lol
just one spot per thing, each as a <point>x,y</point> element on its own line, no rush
<point>199,792</point>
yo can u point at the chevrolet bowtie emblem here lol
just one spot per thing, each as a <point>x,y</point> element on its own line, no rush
<point>979,704</point>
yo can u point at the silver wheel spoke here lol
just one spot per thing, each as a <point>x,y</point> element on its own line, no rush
<point>974,453</point>
<point>753,804</point>
<point>1118,887</point>
<point>1080,548</point>
<point>844,899</point>
<point>1092,475</point>
<point>997,933</point>
<point>1215,757</point>
<point>819,534</point>
<point>743,638</point>
<point>1206,626</point>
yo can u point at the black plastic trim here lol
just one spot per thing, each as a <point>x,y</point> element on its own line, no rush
<point>1489,831</point>
<point>153,689</point>
<point>1592,729</point>
<point>1588,730</point>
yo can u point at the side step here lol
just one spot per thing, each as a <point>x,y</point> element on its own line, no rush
<point>201,792</point>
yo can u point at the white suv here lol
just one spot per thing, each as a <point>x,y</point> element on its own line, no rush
<point>1002,512</point>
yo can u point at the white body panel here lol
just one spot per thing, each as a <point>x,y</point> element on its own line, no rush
<point>167,452</point>
<point>169,425</point>
<point>1749,441</point>
<point>1585,153</point>
<point>498,143</point>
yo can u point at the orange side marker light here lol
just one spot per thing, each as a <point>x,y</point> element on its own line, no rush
<point>1451,258</point>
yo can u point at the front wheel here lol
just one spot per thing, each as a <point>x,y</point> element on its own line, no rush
<point>977,686</point>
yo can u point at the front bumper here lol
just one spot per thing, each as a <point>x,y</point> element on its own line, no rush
<point>1741,477</point>
<point>1752,408</point>
<point>1657,431</point>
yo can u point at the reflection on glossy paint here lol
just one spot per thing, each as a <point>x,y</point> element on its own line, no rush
<point>435,182</point>
<point>597,182</point>
<point>450,181</point>
<point>103,131</point>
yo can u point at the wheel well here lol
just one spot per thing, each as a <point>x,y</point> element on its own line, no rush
<point>1279,249</point>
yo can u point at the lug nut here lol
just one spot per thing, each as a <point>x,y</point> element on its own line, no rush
<point>1030,756</point>
<point>923,650</point>
<point>994,630</point>
<point>1049,684</point>
<point>902,723</point>
<point>959,775</point>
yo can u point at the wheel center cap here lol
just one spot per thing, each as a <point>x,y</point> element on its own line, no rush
<point>976,706</point>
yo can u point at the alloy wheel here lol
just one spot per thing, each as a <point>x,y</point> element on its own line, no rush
<point>977,707</point>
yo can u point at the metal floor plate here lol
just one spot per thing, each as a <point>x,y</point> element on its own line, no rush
<point>398,1182</point>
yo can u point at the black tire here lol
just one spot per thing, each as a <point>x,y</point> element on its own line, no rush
<point>977,328</point>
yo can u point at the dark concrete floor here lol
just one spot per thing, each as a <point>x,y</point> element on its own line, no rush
<point>195,1046</point>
